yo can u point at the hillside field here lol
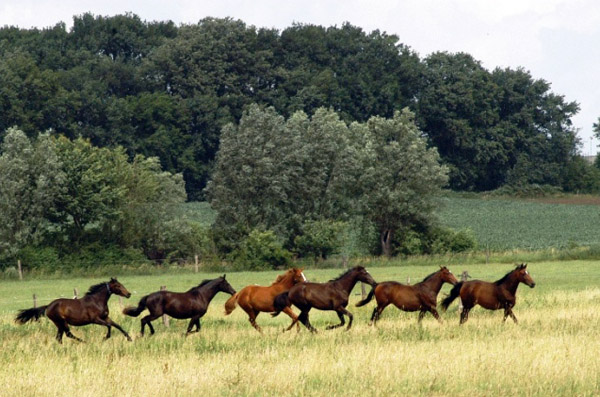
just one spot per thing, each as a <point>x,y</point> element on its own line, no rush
<point>552,351</point>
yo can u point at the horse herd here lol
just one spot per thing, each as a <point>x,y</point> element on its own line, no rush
<point>289,289</point>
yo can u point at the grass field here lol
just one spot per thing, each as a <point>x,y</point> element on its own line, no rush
<point>552,351</point>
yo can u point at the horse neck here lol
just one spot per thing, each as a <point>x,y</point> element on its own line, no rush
<point>211,290</point>
<point>101,295</point>
<point>511,283</point>
<point>286,282</point>
<point>433,283</point>
<point>347,282</point>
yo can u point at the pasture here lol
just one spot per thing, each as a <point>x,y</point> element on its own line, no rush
<point>553,350</point>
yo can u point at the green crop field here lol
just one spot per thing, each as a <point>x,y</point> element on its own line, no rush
<point>552,351</point>
<point>503,224</point>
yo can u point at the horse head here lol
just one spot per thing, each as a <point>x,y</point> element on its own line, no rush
<point>224,286</point>
<point>447,275</point>
<point>117,288</point>
<point>298,275</point>
<point>364,276</point>
<point>524,276</point>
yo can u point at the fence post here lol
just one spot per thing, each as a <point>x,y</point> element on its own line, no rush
<point>34,301</point>
<point>408,280</point>
<point>19,269</point>
<point>195,263</point>
<point>463,277</point>
<point>165,318</point>
<point>362,290</point>
<point>75,293</point>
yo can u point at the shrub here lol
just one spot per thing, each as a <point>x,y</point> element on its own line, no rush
<point>261,250</point>
<point>319,239</point>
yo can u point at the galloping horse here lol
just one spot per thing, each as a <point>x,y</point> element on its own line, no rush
<point>332,295</point>
<point>91,309</point>
<point>492,296</point>
<point>255,299</point>
<point>191,304</point>
<point>421,296</point>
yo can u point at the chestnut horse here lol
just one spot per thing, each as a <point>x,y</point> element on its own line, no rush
<point>492,296</point>
<point>91,309</point>
<point>255,299</point>
<point>421,296</point>
<point>332,295</point>
<point>191,304</point>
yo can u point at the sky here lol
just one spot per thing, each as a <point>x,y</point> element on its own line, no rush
<point>555,40</point>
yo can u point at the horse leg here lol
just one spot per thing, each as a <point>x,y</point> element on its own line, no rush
<point>376,313</point>
<point>70,335</point>
<point>252,318</point>
<point>194,321</point>
<point>290,313</point>
<point>59,335</point>
<point>147,320</point>
<point>350,318</point>
<point>464,315</point>
<point>341,324</point>
<point>303,318</point>
<point>117,326</point>
<point>435,313</point>
<point>508,312</point>
<point>421,315</point>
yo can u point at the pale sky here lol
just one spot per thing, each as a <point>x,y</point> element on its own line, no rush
<point>556,40</point>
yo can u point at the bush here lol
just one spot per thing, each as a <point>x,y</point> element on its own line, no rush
<point>261,250</point>
<point>445,240</point>
<point>319,239</point>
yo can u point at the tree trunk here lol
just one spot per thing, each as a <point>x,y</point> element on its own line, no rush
<point>386,242</point>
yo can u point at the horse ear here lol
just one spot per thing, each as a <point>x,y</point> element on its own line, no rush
<point>113,279</point>
<point>224,276</point>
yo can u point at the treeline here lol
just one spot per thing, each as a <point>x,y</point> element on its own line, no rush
<point>163,90</point>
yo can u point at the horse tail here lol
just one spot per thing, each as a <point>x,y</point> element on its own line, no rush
<point>453,295</point>
<point>281,302</point>
<point>368,298</point>
<point>27,314</point>
<point>135,311</point>
<point>231,304</point>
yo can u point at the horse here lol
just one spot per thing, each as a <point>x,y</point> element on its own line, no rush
<point>181,305</point>
<point>332,295</point>
<point>91,309</point>
<point>255,299</point>
<point>500,294</point>
<point>421,296</point>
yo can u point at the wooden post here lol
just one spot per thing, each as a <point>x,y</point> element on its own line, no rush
<point>487,254</point>
<point>344,262</point>
<point>34,301</point>
<point>195,263</point>
<point>362,290</point>
<point>20,269</point>
<point>165,318</point>
<point>463,277</point>
<point>408,280</point>
<point>75,293</point>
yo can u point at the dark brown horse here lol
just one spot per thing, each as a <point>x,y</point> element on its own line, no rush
<point>410,298</point>
<point>91,309</point>
<point>332,295</point>
<point>255,298</point>
<point>191,304</point>
<point>492,296</point>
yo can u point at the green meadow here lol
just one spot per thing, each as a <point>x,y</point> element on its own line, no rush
<point>552,351</point>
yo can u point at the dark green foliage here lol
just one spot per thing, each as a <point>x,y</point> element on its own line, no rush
<point>260,250</point>
<point>319,239</point>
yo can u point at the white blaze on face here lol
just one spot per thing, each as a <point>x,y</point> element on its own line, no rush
<point>303,276</point>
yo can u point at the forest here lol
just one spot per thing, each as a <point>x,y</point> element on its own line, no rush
<point>181,104</point>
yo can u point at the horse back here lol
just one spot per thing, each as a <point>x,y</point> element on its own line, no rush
<point>73,311</point>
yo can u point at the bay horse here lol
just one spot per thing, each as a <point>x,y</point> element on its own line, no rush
<point>332,295</point>
<point>500,294</point>
<point>409,298</point>
<point>181,305</point>
<point>91,309</point>
<point>255,298</point>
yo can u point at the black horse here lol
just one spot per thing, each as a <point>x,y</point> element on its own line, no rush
<point>332,295</point>
<point>191,304</point>
<point>91,309</point>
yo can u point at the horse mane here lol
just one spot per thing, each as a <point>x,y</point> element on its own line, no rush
<point>431,275</point>
<point>203,283</point>
<point>284,275</point>
<point>96,288</point>
<point>344,274</point>
<point>505,277</point>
